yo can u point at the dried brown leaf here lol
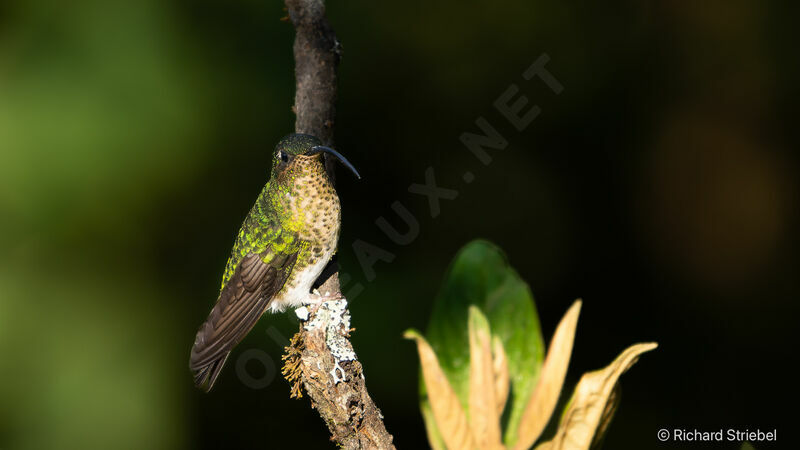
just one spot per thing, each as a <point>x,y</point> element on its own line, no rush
<point>551,379</point>
<point>431,430</point>
<point>501,377</point>
<point>483,416</point>
<point>589,404</point>
<point>605,418</point>
<point>447,412</point>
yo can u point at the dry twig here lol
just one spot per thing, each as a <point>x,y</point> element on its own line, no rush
<point>321,353</point>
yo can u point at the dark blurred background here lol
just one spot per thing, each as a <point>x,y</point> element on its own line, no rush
<point>659,186</point>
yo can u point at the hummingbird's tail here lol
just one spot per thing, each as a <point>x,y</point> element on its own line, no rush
<point>205,376</point>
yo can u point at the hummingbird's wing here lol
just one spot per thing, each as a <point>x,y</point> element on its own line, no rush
<point>241,303</point>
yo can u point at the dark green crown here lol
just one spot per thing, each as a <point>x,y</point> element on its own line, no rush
<point>295,144</point>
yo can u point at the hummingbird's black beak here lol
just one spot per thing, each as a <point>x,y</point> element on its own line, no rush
<point>342,159</point>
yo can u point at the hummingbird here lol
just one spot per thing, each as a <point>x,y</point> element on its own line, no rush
<point>282,247</point>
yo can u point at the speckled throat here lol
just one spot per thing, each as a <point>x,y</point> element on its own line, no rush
<point>309,199</point>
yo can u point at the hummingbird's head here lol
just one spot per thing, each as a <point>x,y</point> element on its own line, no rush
<point>302,150</point>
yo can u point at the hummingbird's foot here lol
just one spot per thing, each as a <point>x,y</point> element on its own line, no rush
<point>315,300</point>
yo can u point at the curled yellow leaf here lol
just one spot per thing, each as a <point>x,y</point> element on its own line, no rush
<point>431,430</point>
<point>551,379</point>
<point>501,377</point>
<point>447,412</point>
<point>483,416</point>
<point>606,416</point>
<point>589,406</point>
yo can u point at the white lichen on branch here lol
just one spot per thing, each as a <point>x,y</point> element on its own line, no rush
<point>321,360</point>
<point>334,318</point>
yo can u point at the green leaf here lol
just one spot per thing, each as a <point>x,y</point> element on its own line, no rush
<point>480,275</point>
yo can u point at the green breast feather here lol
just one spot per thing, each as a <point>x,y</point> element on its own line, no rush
<point>263,233</point>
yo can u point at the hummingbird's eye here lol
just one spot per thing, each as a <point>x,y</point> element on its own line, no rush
<point>284,156</point>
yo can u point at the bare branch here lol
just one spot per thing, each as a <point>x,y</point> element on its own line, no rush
<point>321,356</point>
<point>316,56</point>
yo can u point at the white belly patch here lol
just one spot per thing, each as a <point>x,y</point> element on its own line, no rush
<point>296,295</point>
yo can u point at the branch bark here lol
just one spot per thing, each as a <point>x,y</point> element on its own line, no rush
<point>321,356</point>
